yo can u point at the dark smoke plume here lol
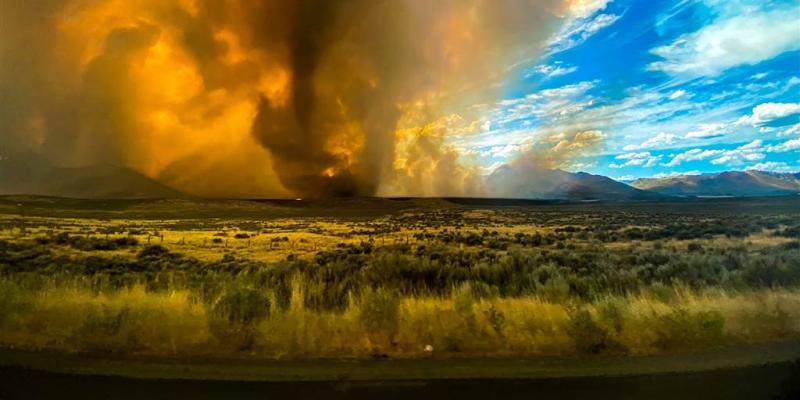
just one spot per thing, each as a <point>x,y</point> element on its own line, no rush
<point>259,97</point>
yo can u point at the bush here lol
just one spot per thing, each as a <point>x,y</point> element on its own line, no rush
<point>154,251</point>
<point>496,319</point>
<point>588,336</point>
<point>283,291</point>
<point>684,329</point>
<point>243,306</point>
<point>319,296</point>
<point>237,312</point>
<point>483,290</point>
<point>380,311</point>
<point>13,301</point>
<point>695,247</point>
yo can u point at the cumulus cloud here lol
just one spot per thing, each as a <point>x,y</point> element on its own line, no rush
<point>676,173</point>
<point>623,178</point>
<point>503,151</point>
<point>731,40</point>
<point>692,155</point>
<point>776,114</point>
<point>705,131</point>
<point>748,152</point>
<point>787,146</point>
<point>642,159</point>
<point>771,166</point>
<point>661,139</point>
<point>793,130</point>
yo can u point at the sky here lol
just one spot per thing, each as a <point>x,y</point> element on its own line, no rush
<point>673,87</point>
<point>309,98</point>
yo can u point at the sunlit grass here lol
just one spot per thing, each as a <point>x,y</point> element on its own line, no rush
<point>176,323</point>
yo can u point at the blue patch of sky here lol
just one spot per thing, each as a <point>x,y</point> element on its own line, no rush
<point>609,79</point>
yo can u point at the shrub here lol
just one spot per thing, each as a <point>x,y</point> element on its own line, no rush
<point>683,329</point>
<point>237,312</point>
<point>154,251</point>
<point>13,301</point>
<point>243,305</point>
<point>483,290</point>
<point>380,311</point>
<point>612,314</point>
<point>320,296</point>
<point>496,319</point>
<point>283,291</point>
<point>588,336</point>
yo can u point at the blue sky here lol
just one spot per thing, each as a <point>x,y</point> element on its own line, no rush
<point>653,88</point>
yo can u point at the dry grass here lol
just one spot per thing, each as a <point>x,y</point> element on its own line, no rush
<point>134,321</point>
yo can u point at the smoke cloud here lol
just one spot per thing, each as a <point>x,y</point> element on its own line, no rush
<point>261,97</point>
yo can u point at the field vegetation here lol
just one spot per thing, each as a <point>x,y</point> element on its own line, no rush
<point>419,281</point>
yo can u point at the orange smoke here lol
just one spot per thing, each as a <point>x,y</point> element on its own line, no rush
<point>261,98</point>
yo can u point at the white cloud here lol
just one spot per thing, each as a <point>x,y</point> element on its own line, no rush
<point>792,82</point>
<point>549,104</point>
<point>768,112</point>
<point>661,139</point>
<point>752,151</point>
<point>770,166</point>
<point>793,130</point>
<point>676,173</point>
<point>506,151</point>
<point>692,155</point>
<point>642,159</point>
<point>705,131</point>
<point>789,145</point>
<point>744,154</point>
<point>748,38</point>
<point>551,71</point>
<point>585,8</point>
<point>631,156</point>
<point>677,94</point>
<point>583,166</point>
<point>491,168</point>
<point>624,178</point>
<point>754,145</point>
<point>579,30</point>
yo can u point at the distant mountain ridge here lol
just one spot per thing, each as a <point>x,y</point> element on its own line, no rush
<point>543,183</point>
<point>730,183</point>
<point>33,177</point>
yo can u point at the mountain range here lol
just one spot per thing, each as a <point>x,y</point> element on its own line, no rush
<point>542,183</point>
<point>730,183</point>
<point>31,176</point>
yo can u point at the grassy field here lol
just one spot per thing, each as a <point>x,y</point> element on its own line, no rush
<point>396,278</point>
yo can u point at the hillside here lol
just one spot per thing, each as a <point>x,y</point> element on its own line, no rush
<point>731,183</point>
<point>101,181</point>
<point>543,183</point>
